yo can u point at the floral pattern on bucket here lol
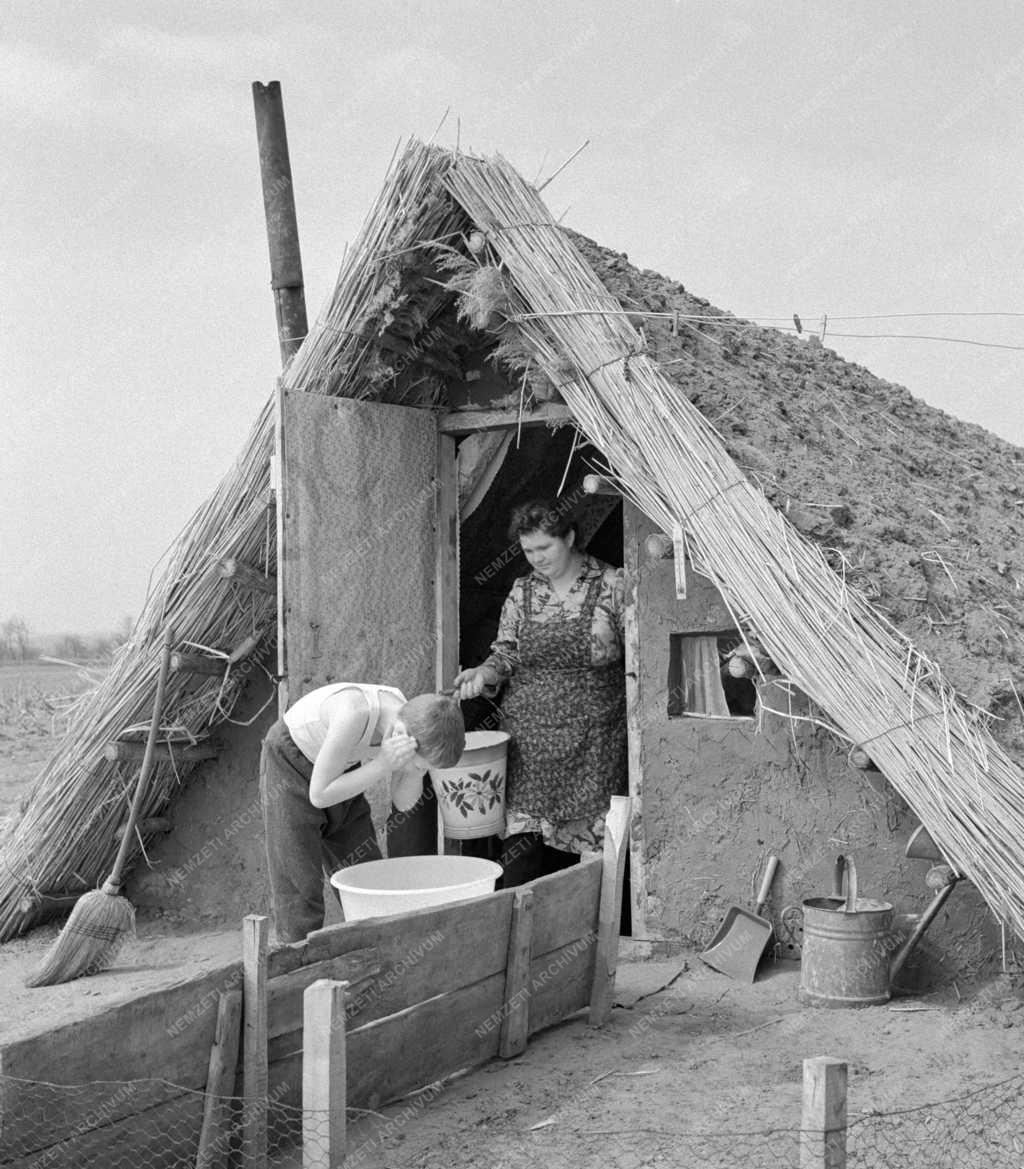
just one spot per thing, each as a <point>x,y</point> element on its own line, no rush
<point>476,793</point>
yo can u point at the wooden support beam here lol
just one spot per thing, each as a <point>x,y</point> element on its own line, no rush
<point>215,1135</point>
<point>635,722</point>
<point>282,225</point>
<point>823,1124</point>
<point>515,1020</point>
<point>255,934</point>
<point>324,1075</point>
<point>599,485</point>
<point>606,958</point>
<point>446,566</point>
<point>230,568</point>
<point>468,421</point>
<point>130,751</point>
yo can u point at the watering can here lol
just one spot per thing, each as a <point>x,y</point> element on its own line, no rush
<point>851,953</point>
<point>847,945</point>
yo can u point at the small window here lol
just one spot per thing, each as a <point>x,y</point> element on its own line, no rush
<point>699,682</point>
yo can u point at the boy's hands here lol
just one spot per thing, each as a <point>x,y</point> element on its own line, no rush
<point>397,750</point>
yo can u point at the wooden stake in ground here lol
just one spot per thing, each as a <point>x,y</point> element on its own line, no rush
<point>103,920</point>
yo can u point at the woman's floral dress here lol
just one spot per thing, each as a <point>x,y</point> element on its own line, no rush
<point>564,706</point>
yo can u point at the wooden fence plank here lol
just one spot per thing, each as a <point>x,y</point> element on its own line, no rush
<point>220,1083</point>
<point>425,953</point>
<point>392,1056</point>
<point>616,843</point>
<point>395,937</point>
<point>565,904</point>
<point>285,1010</point>
<point>560,982</point>
<point>515,1023</point>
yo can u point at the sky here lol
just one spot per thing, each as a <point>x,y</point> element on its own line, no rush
<point>849,160</point>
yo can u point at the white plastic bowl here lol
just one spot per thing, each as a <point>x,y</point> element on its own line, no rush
<point>401,883</point>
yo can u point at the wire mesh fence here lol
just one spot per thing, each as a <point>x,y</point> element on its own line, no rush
<point>983,1129</point>
<point>155,1124</point>
<point>150,1124</point>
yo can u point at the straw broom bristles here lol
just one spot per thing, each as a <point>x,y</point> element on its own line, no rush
<point>826,637</point>
<point>102,921</point>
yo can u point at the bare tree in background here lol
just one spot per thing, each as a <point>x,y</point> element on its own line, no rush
<point>15,642</point>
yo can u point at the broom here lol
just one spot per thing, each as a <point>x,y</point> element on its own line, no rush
<point>102,921</point>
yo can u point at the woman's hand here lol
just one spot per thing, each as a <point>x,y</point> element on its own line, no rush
<point>472,683</point>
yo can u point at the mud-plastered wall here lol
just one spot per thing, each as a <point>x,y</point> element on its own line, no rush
<point>210,870</point>
<point>721,794</point>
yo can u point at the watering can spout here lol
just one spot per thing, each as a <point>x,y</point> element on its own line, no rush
<point>949,877</point>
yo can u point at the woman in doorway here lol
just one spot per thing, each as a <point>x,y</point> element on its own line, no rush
<point>559,649</point>
<point>317,761</point>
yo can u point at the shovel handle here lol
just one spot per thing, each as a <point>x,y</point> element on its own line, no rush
<point>766,884</point>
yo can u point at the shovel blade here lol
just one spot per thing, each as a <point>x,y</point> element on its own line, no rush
<point>736,948</point>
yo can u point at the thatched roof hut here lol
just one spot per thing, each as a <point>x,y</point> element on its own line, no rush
<point>868,542</point>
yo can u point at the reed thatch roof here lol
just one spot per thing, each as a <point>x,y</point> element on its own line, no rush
<point>865,538</point>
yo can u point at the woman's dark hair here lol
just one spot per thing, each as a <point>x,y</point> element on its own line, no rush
<point>542,515</point>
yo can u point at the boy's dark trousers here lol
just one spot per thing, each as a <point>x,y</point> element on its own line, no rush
<point>304,842</point>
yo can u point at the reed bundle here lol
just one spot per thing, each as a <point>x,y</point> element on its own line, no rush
<point>881,693</point>
<point>409,221</point>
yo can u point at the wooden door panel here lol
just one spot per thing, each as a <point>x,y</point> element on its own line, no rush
<point>357,543</point>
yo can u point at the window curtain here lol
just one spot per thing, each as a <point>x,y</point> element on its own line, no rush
<point>702,679</point>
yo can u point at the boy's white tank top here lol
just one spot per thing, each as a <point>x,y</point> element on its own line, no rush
<point>308,730</point>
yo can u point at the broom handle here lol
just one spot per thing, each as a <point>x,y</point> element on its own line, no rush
<point>113,882</point>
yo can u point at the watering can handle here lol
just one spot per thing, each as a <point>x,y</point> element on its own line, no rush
<point>850,905</point>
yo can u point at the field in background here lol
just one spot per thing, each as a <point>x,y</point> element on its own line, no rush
<point>33,698</point>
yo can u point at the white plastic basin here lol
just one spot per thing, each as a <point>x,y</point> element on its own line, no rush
<point>401,883</point>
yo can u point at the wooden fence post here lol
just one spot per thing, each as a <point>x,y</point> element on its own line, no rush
<point>323,1074</point>
<point>215,1135</point>
<point>823,1125</point>
<point>255,1070</point>
<point>606,957</point>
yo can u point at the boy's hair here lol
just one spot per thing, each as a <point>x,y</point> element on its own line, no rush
<point>435,722</point>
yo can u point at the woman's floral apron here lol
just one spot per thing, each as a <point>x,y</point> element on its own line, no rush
<point>567,717</point>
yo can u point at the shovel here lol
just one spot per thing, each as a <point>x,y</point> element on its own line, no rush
<point>737,947</point>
